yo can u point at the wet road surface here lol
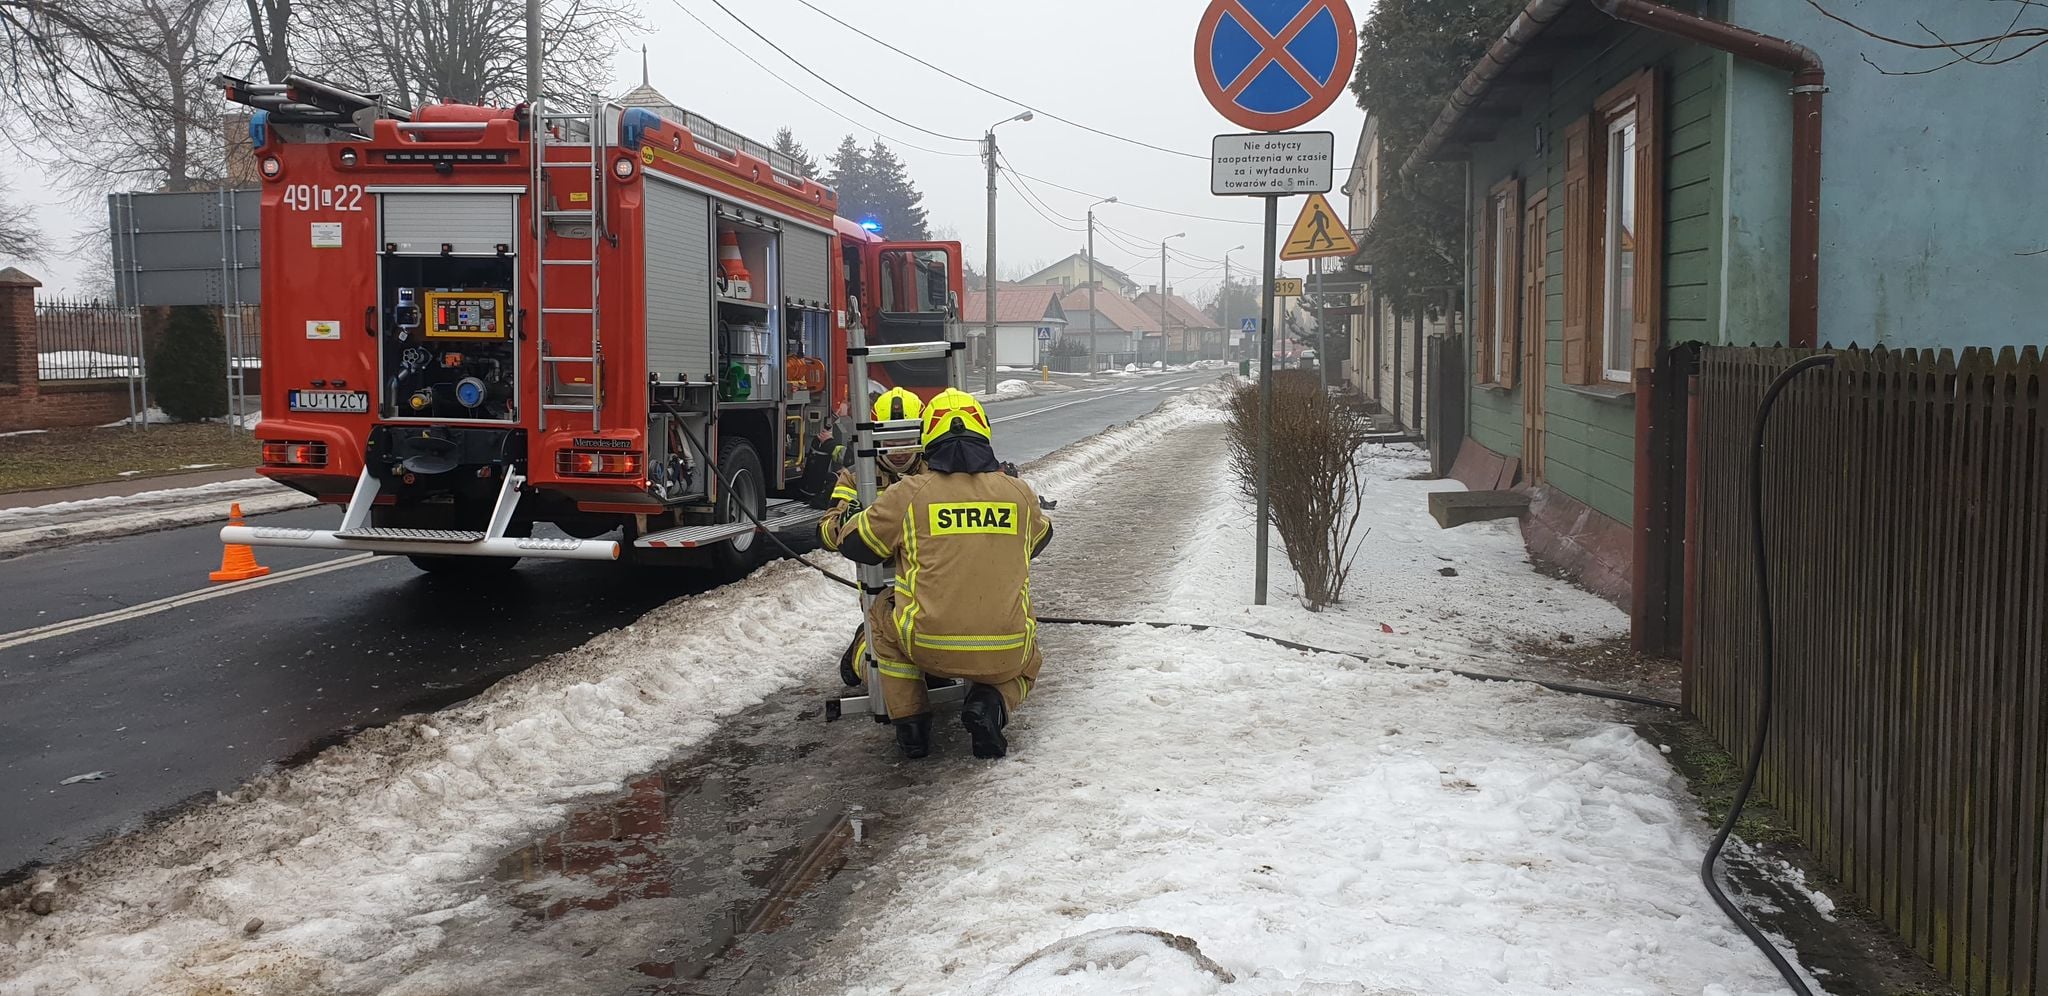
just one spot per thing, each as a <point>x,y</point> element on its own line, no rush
<point>192,698</point>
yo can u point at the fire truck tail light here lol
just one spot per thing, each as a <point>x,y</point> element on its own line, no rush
<point>272,167</point>
<point>288,453</point>
<point>622,168</point>
<point>585,463</point>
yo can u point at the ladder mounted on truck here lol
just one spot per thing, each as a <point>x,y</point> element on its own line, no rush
<point>302,100</point>
<point>588,224</point>
<point>871,438</point>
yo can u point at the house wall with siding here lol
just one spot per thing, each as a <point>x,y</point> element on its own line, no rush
<point>1590,444</point>
<point>1930,184</point>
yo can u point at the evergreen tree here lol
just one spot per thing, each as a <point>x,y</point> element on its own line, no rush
<point>786,143</point>
<point>896,199</point>
<point>1411,56</point>
<point>186,367</point>
<point>850,178</point>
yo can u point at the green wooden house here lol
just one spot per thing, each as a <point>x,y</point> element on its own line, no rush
<point>1642,175</point>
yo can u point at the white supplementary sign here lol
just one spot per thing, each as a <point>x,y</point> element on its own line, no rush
<point>1272,163</point>
<point>327,235</point>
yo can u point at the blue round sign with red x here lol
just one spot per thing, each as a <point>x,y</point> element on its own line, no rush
<point>1272,65</point>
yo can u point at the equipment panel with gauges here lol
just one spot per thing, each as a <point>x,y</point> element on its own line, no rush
<point>449,344</point>
<point>465,315</point>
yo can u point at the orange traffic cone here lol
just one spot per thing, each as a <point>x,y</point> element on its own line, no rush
<point>237,561</point>
<point>739,282</point>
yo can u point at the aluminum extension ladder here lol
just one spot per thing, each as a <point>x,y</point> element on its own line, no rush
<point>553,398</point>
<point>871,438</point>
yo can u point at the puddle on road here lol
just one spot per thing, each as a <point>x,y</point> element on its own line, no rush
<point>711,876</point>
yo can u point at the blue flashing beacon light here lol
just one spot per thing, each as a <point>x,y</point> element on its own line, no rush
<point>872,225</point>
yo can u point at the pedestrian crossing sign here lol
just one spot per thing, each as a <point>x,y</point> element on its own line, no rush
<point>1317,233</point>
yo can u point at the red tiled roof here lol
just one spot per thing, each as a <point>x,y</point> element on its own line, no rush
<point>1179,313</point>
<point>1114,309</point>
<point>1015,304</point>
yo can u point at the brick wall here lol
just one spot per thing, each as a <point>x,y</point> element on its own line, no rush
<point>68,405</point>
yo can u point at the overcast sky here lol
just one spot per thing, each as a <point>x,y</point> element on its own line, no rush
<point>1126,68</point>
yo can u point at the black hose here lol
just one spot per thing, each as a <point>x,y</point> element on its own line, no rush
<point>725,484</point>
<point>1768,661</point>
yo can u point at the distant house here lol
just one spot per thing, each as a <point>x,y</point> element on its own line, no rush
<point>1638,182</point>
<point>1113,332</point>
<point>1072,272</point>
<point>1020,312</point>
<point>1190,334</point>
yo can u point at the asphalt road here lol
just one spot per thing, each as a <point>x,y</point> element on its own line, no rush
<point>195,697</point>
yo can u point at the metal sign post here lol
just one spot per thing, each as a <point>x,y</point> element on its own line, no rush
<point>1272,66</point>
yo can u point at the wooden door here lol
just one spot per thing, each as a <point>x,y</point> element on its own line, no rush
<point>1535,333</point>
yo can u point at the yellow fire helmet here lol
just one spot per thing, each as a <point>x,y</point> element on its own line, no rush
<point>954,409</point>
<point>897,404</point>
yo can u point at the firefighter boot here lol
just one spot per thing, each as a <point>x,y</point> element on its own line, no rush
<point>984,715</point>
<point>914,735</point>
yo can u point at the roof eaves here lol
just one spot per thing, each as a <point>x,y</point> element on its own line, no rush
<point>1527,25</point>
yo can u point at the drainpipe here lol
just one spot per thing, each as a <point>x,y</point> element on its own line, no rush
<point>1809,84</point>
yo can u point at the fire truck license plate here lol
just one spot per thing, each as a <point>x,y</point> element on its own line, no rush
<point>329,401</point>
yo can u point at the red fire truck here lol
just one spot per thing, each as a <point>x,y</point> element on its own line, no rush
<point>614,321</point>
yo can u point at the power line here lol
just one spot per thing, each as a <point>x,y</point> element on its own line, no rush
<point>1131,204</point>
<point>842,115</point>
<point>720,4</point>
<point>1035,208</point>
<point>1031,195</point>
<point>962,80</point>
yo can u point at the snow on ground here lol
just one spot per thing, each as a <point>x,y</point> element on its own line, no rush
<point>23,432</point>
<point>156,416</point>
<point>354,860</point>
<point>1315,823</point>
<point>35,526</point>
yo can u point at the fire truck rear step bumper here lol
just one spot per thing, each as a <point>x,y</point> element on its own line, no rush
<point>783,516</point>
<point>356,533</point>
<point>543,547</point>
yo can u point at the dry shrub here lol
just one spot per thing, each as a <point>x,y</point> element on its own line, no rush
<point>1316,482</point>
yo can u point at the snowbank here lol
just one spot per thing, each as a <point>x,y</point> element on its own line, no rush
<point>1317,825</point>
<point>36,526</point>
<point>354,860</point>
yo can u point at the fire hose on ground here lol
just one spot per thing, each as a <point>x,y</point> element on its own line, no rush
<point>1728,906</point>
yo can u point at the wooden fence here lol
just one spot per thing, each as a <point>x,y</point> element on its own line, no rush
<point>1906,506</point>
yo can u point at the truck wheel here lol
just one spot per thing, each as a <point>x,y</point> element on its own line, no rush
<point>745,487</point>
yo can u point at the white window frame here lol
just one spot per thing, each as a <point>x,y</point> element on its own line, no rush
<point>1503,286</point>
<point>1620,156</point>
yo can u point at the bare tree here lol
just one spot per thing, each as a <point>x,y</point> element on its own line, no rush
<point>20,239</point>
<point>153,78</point>
<point>2015,42</point>
<point>473,51</point>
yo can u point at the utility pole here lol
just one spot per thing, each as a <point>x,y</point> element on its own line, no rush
<point>1162,297</point>
<point>1322,333</point>
<point>532,50</point>
<point>1091,279</point>
<point>1265,459</point>
<point>1226,299</point>
<point>988,277</point>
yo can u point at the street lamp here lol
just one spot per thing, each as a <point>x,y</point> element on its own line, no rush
<point>1162,296</point>
<point>988,276</point>
<point>1226,298</point>
<point>1091,279</point>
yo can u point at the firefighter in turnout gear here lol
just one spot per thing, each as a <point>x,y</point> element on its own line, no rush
<point>890,466</point>
<point>961,535</point>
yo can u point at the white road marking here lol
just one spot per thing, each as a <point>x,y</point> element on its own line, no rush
<point>70,626</point>
<point>1063,404</point>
